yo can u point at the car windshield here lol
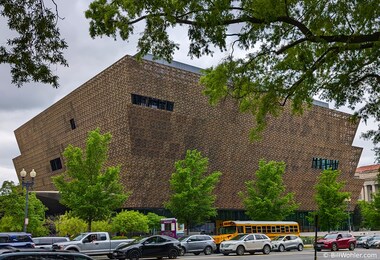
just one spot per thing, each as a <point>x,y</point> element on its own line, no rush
<point>78,238</point>
<point>239,237</point>
<point>183,238</point>
<point>227,230</point>
<point>278,238</point>
<point>331,236</point>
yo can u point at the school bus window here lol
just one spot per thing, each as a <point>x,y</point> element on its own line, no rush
<point>291,229</point>
<point>273,229</point>
<point>240,229</point>
<point>295,229</point>
<point>278,230</point>
<point>258,229</point>
<point>254,229</point>
<point>264,229</point>
<point>248,229</point>
<point>287,229</point>
<point>268,229</point>
<point>227,230</point>
<point>282,229</point>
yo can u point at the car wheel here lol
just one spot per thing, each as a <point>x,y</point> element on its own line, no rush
<point>351,246</point>
<point>300,247</point>
<point>183,251</point>
<point>281,248</point>
<point>266,250</point>
<point>134,255</point>
<point>334,247</point>
<point>240,250</point>
<point>172,254</point>
<point>208,250</point>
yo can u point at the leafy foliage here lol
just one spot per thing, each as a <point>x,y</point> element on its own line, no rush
<point>265,198</point>
<point>127,222</point>
<point>89,189</point>
<point>154,222</point>
<point>295,49</point>
<point>191,201</point>
<point>69,225</point>
<point>12,201</point>
<point>331,201</point>
<point>37,44</point>
<point>101,226</point>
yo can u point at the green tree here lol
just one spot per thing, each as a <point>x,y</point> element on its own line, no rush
<point>12,210</point>
<point>192,198</point>
<point>69,225</point>
<point>36,45</point>
<point>265,198</point>
<point>331,201</point>
<point>102,225</point>
<point>91,190</point>
<point>127,222</point>
<point>295,50</point>
<point>154,222</point>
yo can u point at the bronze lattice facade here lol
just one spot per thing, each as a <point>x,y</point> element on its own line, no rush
<point>147,140</point>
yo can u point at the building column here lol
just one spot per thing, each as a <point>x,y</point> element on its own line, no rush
<point>366,198</point>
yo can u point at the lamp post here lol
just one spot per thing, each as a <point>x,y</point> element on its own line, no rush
<point>348,200</point>
<point>27,185</point>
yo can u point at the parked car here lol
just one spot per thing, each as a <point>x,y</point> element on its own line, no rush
<point>361,241</point>
<point>47,242</point>
<point>246,243</point>
<point>288,242</point>
<point>16,239</point>
<point>40,254</point>
<point>373,242</point>
<point>197,244</point>
<point>336,241</point>
<point>92,243</point>
<point>153,246</point>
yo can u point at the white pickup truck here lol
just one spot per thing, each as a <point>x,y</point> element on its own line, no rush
<point>92,243</point>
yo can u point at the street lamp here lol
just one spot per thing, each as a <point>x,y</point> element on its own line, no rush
<point>27,185</point>
<point>348,200</point>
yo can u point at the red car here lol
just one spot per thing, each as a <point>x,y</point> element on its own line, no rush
<point>336,241</point>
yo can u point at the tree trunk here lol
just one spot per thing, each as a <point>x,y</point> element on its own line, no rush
<point>89,225</point>
<point>187,228</point>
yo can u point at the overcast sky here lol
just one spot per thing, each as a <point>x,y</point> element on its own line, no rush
<point>86,57</point>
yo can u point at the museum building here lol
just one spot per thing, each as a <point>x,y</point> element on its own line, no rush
<point>156,111</point>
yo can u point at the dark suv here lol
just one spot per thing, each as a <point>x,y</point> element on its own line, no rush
<point>16,239</point>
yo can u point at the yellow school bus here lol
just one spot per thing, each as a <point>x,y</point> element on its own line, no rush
<point>229,229</point>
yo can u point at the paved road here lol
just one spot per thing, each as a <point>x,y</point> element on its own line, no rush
<point>307,254</point>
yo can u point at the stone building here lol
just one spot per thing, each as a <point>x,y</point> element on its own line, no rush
<point>156,111</point>
<point>369,174</point>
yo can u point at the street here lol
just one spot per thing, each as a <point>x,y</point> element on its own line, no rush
<point>358,253</point>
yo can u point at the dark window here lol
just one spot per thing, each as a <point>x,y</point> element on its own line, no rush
<point>152,102</point>
<point>56,164</point>
<point>320,163</point>
<point>72,123</point>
